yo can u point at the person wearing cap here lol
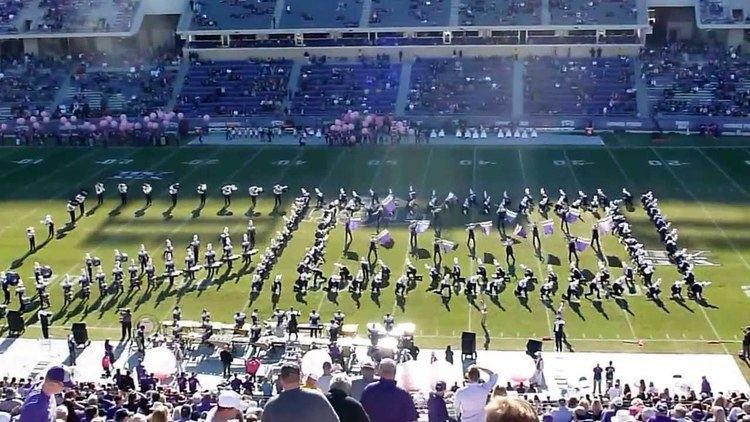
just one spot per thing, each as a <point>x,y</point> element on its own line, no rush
<point>40,404</point>
<point>122,415</point>
<point>614,406</point>
<point>347,408</point>
<point>437,411</point>
<point>384,401</point>
<point>661,414</point>
<point>10,403</point>
<point>470,399</point>
<point>229,407</point>
<point>562,413</point>
<point>295,404</point>
<point>367,371</point>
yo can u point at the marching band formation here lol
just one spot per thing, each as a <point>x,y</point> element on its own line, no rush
<point>353,212</point>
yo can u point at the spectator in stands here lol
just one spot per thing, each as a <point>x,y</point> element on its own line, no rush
<point>509,409</point>
<point>226,361</point>
<point>705,386</point>
<point>40,404</point>
<point>384,401</point>
<point>367,370</point>
<point>296,404</point>
<point>437,411</point>
<point>11,403</point>
<point>229,406</point>
<point>562,413</point>
<point>614,406</point>
<point>346,407</point>
<point>324,381</point>
<point>470,399</point>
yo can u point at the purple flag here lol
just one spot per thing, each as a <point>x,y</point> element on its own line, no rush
<point>447,246</point>
<point>510,216</point>
<point>385,239</point>
<point>486,227</point>
<point>355,223</point>
<point>389,204</point>
<point>572,215</point>
<point>422,226</point>
<point>582,244</point>
<point>605,225</point>
<point>547,227</point>
<point>519,231</point>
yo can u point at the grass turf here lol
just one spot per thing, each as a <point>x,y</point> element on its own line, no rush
<point>703,191</point>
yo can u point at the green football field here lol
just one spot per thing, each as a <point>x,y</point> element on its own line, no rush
<point>703,189</point>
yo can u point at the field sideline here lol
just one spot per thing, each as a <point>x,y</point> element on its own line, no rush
<point>703,191</point>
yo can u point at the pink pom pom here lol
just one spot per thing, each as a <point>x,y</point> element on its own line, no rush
<point>63,120</point>
<point>45,119</point>
<point>37,125</point>
<point>337,122</point>
<point>152,116</point>
<point>113,124</point>
<point>73,119</point>
<point>32,119</point>
<point>138,126</point>
<point>206,117</point>
<point>20,121</point>
<point>3,126</point>
<point>180,116</point>
<point>123,117</point>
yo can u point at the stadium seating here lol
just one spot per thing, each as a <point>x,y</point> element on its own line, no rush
<point>322,14</point>
<point>9,10</point>
<point>717,12</point>
<point>135,92</point>
<point>252,87</point>
<point>589,12</point>
<point>465,86</point>
<point>29,83</point>
<point>84,15</point>
<point>699,85</point>
<point>409,13</point>
<point>590,87</point>
<point>500,12</point>
<point>233,14</point>
<point>331,89</point>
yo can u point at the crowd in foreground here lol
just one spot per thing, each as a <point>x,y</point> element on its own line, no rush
<point>373,395</point>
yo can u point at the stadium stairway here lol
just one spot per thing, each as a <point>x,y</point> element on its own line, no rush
<point>518,97</point>
<point>179,81</point>
<point>546,15</point>
<point>455,6</point>
<point>278,12</point>
<point>364,20</point>
<point>404,85</point>
<point>641,93</point>
<point>293,84</point>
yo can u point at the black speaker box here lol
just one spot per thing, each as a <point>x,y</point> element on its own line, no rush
<point>16,323</point>
<point>80,333</point>
<point>468,343</point>
<point>533,346</point>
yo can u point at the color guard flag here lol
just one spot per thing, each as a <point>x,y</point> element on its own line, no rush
<point>385,239</point>
<point>389,204</point>
<point>605,225</point>
<point>486,227</point>
<point>547,227</point>
<point>510,216</point>
<point>422,226</point>
<point>519,231</point>
<point>572,215</point>
<point>447,246</point>
<point>582,244</point>
<point>355,223</point>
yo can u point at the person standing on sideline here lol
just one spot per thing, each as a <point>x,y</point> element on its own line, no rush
<point>470,399</point>
<point>597,379</point>
<point>295,404</point>
<point>226,361</point>
<point>72,349</point>
<point>384,401</point>
<point>559,329</point>
<point>746,343</point>
<point>609,374</point>
<point>449,354</point>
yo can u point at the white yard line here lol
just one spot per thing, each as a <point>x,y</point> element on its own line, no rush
<point>716,224</point>
<point>622,171</point>
<point>724,173</point>
<point>541,251</point>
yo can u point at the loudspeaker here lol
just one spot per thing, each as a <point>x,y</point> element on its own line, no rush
<point>16,323</point>
<point>80,333</point>
<point>533,346</point>
<point>468,343</point>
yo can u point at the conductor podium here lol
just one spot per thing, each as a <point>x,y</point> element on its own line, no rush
<point>468,345</point>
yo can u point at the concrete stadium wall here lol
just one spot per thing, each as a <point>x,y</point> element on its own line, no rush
<point>417,51</point>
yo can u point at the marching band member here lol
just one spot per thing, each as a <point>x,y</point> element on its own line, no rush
<point>50,226</point>
<point>99,191</point>
<point>147,189</point>
<point>174,190</point>
<point>122,188</point>
<point>201,190</point>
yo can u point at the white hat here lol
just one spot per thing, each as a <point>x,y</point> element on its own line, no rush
<point>228,398</point>
<point>4,417</point>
